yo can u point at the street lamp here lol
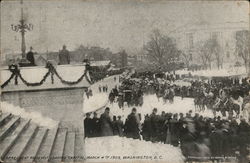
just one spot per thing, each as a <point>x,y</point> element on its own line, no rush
<point>22,28</point>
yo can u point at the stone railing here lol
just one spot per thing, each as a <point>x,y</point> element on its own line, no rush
<point>14,78</point>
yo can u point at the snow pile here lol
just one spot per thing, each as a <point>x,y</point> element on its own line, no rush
<point>36,117</point>
<point>95,102</point>
<point>130,150</point>
<point>232,71</point>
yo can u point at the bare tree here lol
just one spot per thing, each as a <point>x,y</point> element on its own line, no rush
<point>186,58</point>
<point>204,52</point>
<point>161,48</point>
<point>216,50</point>
<point>242,47</point>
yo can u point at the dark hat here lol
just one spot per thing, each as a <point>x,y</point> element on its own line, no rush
<point>107,109</point>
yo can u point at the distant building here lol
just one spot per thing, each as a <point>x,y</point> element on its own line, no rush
<point>188,37</point>
<point>40,60</point>
<point>124,58</point>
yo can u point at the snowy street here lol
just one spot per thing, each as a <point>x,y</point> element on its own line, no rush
<point>98,100</point>
<point>122,148</point>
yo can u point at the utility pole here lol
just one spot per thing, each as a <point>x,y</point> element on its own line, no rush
<point>22,28</point>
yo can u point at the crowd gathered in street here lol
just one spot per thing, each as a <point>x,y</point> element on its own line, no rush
<point>222,137</point>
<point>225,95</point>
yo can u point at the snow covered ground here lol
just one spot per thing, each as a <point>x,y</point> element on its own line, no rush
<point>125,149</point>
<point>98,100</point>
<point>95,102</point>
<point>230,71</point>
<point>151,101</point>
<point>35,116</point>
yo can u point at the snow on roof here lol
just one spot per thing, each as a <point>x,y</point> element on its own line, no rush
<point>36,73</point>
<point>100,63</point>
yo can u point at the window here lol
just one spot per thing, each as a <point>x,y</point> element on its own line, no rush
<point>215,35</point>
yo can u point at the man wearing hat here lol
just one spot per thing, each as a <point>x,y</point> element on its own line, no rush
<point>30,57</point>
<point>132,125</point>
<point>106,123</point>
<point>64,58</point>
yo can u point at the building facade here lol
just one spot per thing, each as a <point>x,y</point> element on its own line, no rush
<point>188,40</point>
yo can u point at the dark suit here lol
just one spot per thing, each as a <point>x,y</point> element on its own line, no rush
<point>64,57</point>
<point>30,58</point>
<point>106,125</point>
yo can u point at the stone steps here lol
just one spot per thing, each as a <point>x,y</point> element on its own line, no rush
<point>22,141</point>
<point>58,147</point>
<point>69,151</point>
<point>79,150</point>
<point>4,117</point>
<point>8,142</point>
<point>44,152</point>
<point>21,144</point>
<point>29,154</point>
<point>8,126</point>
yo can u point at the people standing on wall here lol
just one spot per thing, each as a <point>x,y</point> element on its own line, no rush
<point>64,57</point>
<point>30,57</point>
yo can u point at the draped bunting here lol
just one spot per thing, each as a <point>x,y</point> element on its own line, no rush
<point>51,71</point>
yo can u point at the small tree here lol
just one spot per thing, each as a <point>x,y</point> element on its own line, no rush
<point>242,47</point>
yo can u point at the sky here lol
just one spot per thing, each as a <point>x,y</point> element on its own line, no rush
<point>114,24</point>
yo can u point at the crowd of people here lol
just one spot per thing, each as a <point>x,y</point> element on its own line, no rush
<point>198,137</point>
<point>218,94</point>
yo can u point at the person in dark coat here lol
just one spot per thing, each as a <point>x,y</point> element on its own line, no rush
<point>95,125</point>
<point>87,126</point>
<point>115,91</point>
<point>187,140</point>
<point>216,141</point>
<point>64,57</point>
<point>120,126</point>
<point>154,122</point>
<point>174,130</point>
<point>120,100</point>
<point>244,140</point>
<point>106,123</point>
<point>30,57</point>
<point>100,88</point>
<point>132,125</point>
<point>146,128</point>
<point>114,125</point>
